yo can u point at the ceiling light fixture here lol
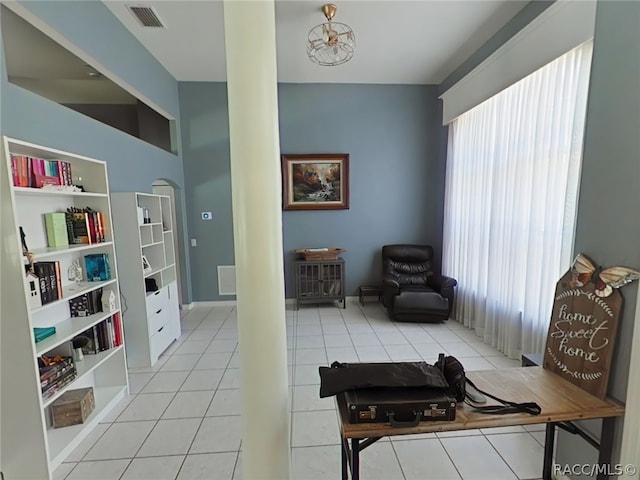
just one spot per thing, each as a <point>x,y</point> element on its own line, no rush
<point>331,43</point>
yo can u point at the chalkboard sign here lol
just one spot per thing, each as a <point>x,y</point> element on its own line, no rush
<point>583,323</point>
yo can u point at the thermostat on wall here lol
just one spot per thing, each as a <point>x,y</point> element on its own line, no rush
<point>206,216</point>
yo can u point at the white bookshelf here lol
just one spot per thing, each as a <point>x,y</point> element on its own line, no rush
<point>152,318</point>
<point>29,445</point>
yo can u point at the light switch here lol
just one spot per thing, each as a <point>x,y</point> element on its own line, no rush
<point>194,242</point>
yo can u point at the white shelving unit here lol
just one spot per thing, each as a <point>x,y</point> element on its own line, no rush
<point>151,318</point>
<point>29,445</point>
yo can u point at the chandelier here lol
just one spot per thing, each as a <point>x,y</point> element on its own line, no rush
<point>331,43</point>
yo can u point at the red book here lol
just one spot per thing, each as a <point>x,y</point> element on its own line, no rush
<point>118,327</point>
<point>14,170</point>
<point>60,172</point>
<point>23,172</point>
<point>59,279</point>
<point>100,227</point>
<point>92,227</point>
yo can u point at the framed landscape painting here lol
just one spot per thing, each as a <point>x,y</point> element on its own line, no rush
<point>315,181</point>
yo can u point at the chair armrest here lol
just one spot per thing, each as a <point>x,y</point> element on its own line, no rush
<point>390,286</point>
<point>444,285</point>
<point>440,282</point>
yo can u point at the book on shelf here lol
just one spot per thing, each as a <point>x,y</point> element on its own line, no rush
<point>55,373</point>
<point>51,366</point>
<point>93,345</point>
<point>84,226</point>
<point>86,304</point>
<point>103,336</point>
<point>57,376</point>
<point>40,333</point>
<point>78,227</point>
<point>50,281</point>
<point>117,330</point>
<point>56,225</point>
<point>97,267</point>
<point>38,172</point>
<point>64,380</point>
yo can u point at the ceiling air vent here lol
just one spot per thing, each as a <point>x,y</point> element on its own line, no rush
<point>146,16</point>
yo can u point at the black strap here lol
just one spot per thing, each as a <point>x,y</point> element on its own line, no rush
<point>531,408</point>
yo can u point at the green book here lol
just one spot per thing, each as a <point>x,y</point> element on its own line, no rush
<point>42,333</point>
<point>56,224</point>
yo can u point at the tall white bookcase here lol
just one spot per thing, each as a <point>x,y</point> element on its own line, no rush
<point>151,317</point>
<point>30,447</point>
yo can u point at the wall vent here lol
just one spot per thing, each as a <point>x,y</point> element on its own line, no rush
<point>146,16</point>
<point>226,279</point>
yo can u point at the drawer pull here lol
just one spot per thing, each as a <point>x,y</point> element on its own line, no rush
<point>158,311</point>
<point>157,293</point>
<point>160,329</point>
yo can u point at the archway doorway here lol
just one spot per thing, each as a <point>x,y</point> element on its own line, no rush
<point>170,189</point>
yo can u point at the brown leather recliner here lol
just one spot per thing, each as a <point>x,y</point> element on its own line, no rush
<point>411,291</point>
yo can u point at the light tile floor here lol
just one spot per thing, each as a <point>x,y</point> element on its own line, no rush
<point>181,420</point>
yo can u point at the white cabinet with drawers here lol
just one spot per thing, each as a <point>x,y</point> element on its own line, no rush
<point>148,271</point>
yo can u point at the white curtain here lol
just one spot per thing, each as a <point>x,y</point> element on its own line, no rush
<point>512,176</point>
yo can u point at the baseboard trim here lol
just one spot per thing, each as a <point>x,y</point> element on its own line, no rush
<point>186,306</point>
<point>228,303</point>
<point>217,303</point>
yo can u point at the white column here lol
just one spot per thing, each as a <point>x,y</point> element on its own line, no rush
<point>250,40</point>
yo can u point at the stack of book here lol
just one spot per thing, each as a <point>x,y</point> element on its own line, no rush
<point>50,281</point>
<point>40,333</point>
<point>55,373</point>
<point>37,172</point>
<point>86,304</point>
<point>103,336</point>
<point>84,226</point>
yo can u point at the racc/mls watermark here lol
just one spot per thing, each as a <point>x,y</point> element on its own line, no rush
<point>591,469</point>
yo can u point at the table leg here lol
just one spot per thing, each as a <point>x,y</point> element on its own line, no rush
<point>355,459</point>
<point>549,440</point>
<point>606,444</point>
<point>345,459</point>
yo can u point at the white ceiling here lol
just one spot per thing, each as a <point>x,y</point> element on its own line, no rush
<point>401,42</point>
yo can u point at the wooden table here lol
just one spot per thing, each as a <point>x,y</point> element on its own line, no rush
<point>560,401</point>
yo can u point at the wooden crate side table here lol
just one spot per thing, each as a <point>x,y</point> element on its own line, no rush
<point>369,291</point>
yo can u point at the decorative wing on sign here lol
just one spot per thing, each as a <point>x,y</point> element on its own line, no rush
<point>584,271</point>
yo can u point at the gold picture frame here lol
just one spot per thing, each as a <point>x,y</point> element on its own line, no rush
<point>315,181</point>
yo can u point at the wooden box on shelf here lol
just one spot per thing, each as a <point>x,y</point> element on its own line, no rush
<point>319,253</point>
<point>73,407</point>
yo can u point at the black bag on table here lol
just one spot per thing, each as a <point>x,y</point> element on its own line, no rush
<point>401,393</point>
<point>405,393</point>
<point>341,377</point>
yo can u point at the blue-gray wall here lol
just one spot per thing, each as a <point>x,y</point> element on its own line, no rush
<point>207,175</point>
<point>608,223</point>
<point>391,133</point>
<point>132,164</point>
<point>396,180</point>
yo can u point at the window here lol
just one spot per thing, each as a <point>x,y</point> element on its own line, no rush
<point>510,204</point>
